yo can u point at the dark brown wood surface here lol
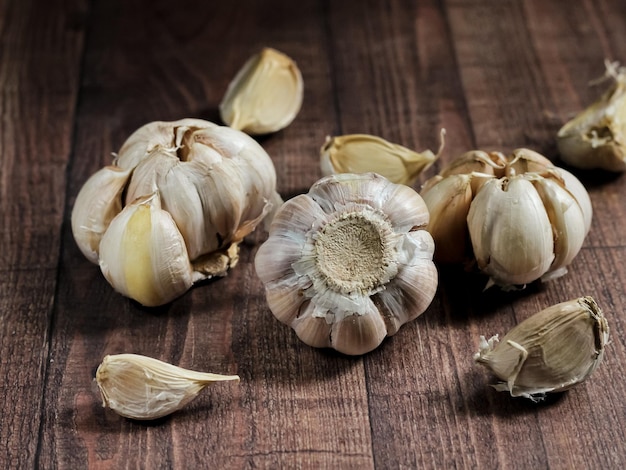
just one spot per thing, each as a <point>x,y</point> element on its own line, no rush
<point>77,77</point>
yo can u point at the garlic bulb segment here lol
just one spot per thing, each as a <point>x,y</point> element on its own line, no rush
<point>97,202</point>
<point>362,153</point>
<point>596,138</point>
<point>349,263</point>
<point>265,96</point>
<point>143,254</point>
<point>143,388</point>
<point>550,351</point>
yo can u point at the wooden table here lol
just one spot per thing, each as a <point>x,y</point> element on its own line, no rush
<point>77,77</point>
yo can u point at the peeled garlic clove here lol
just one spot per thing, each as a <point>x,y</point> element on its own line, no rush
<point>596,138</point>
<point>551,351</point>
<point>97,202</point>
<point>265,96</point>
<point>510,232</point>
<point>362,153</point>
<point>143,254</point>
<point>140,387</point>
<point>333,255</point>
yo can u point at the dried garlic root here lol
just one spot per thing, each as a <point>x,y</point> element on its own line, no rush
<point>143,388</point>
<point>551,351</point>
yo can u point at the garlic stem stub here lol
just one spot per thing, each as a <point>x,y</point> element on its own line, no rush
<point>596,137</point>
<point>266,94</point>
<point>550,351</point>
<point>173,208</point>
<point>349,263</point>
<point>143,388</point>
<point>519,218</point>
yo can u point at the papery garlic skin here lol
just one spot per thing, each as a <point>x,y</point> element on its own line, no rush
<point>550,351</point>
<point>266,94</point>
<point>596,138</point>
<point>143,388</point>
<point>348,263</point>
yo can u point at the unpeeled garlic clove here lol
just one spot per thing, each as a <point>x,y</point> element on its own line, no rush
<point>143,254</point>
<point>97,202</point>
<point>143,388</point>
<point>551,351</point>
<point>596,138</point>
<point>363,153</point>
<point>265,96</point>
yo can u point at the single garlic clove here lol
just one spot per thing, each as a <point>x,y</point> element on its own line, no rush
<point>265,96</point>
<point>143,388</point>
<point>551,351</point>
<point>97,202</point>
<point>362,153</point>
<point>578,191</point>
<point>596,138</point>
<point>359,332</point>
<point>510,232</point>
<point>143,254</point>
<point>476,161</point>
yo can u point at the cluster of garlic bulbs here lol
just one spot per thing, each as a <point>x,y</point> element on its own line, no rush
<point>349,263</point>
<point>173,207</point>
<point>520,218</point>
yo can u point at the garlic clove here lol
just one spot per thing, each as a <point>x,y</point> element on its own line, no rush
<point>510,232</point>
<point>143,388</point>
<point>363,153</point>
<point>550,351</point>
<point>358,333</point>
<point>476,161</point>
<point>524,160</point>
<point>97,202</point>
<point>311,326</point>
<point>265,96</point>
<point>578,191</point>
<point>596,137</point>
<point>143,254</point>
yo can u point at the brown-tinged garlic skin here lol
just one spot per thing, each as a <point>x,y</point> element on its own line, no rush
<point>550,351</point>
<point>519,218</point>
<point>349,263</point>
<point>206,188</point>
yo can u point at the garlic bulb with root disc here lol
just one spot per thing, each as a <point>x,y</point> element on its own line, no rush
<point>520,218</point>
<point>173,207</point>
<point>349,263</point>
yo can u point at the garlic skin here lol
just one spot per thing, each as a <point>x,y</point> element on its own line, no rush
<point>363,153</point>
<point>204,186</point>
<point>551,351</point>
<point>349,263</point>
<point>143,388</point>
<point>519,218</point>
<point>596,137</point>
<point>266,94</point>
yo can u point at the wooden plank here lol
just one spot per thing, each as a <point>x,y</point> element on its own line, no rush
<point>295,406</point>
<point>40,49</point>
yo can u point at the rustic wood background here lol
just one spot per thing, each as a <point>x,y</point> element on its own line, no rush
<point>77,77</point>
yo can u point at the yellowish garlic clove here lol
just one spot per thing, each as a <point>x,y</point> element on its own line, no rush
<point>596,138</point>
<point>550,351</point>
<point>97,202</point>
<point>143,254</point>
<point>349,263</point>
<point>265,96</point>
<point>363,153</point>
<point>143,388</point>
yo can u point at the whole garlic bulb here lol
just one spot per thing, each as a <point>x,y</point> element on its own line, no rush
<point>520,218</point>
<point>173,207</point>
<point>349,263</point>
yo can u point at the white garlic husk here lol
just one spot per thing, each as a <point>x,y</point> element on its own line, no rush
<point>519,218</point>
<point>349,263</point>
<point>210,185</point>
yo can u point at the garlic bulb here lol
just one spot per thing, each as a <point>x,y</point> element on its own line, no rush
<point>173,207</point>
<point>551,351</point>
<point>348,263</point>
<point>363,153</point>
<point>266,94</point>
<point>520,218</point>
<point>596,138</point>
<point>140,387</point>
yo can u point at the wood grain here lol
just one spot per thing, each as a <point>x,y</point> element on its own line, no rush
<point>76,78</point>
